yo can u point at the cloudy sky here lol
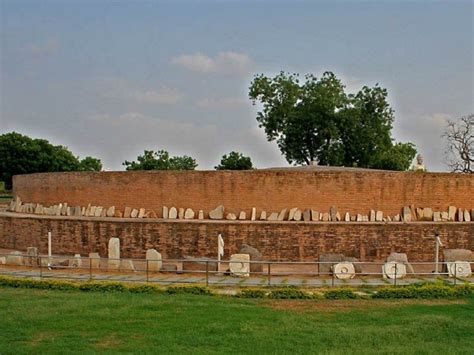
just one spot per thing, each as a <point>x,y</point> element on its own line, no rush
<point>112,78</point>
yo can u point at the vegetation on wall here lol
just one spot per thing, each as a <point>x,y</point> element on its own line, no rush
<point>160,160</point>
<point>235,161</point>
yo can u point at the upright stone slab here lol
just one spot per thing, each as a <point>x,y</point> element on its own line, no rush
<point>201,214</point>
<point>231,216</point>
<point>263,216</point>
<point>217,213</point>
<point>141,213</point>
<point>333,213</point>
<point>134,213</point>
<point>396,218</point>
<point>291,214</point>
<point>452,213</point>
<point>111,211</point>
<point>127,212</point>
<point>460,215</point>
<point>297,216</point>
<point>427,214</point>
<point>253,217</point>
<point>94,260</point>
<point>173,213</point>
<point>189,214</point>
<point>406,214</point>
<point>165,212</point>
<point>419,213</point>
<point>338,216</point>
<point>437,216</point>
<point>98,211</point>
<point>242,215</point>
<point>314,216</point>
<point>282,215</point>
<point>325,217</point>
<point>154,260</point>
<point>114,254</point>
<point>64,209</point>
<point>467,216</point>
<point>444,216</point>
<point>91,211</point>
<point>273,217</point>
<point>181,213</point>
<point>372,216</point>
<point>347,217</point>
<point>379,216</point>
<point>307,216</point>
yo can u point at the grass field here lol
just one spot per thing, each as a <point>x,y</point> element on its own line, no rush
<point>38,321</point>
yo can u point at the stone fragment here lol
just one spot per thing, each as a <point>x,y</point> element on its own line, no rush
<point>114,254</point>
<point>98,211</point>
<point>460,215</point>
<point>181,213</point>
<point>332,213</point>
<point>282,215</point>
<point>314,216</point>
<point>379,216</point>
<point>427,214</point>
<point>64,209</point>
<point>389,219</point>
<point>217,213</point>
<point>111,211</point>
<point>91,211</point>
<point>154,260</point>
<point>127,265</point>
<point>201,214</point>
<point>307,216</point>
<point>297,216</point>
<point>39,209</point>
<point>83,211</point>
<point>451,255</point>
<point>353,218</point>
<point>291,214</point>
<point>253,216</point>
<point>320,216</point>
<point>406,214</point>
<point>452,213</point>
<point>118,213</point>
<point>15,258</point>
<point>359,218</point>
<point>151,214</point>
<point>347,217</point>
<point>437,216</point>
<point>127,213</point>
<point>402,259</point>
<point>263,216</point>
<point>255,255</point>
<point>69,211</point>
<point>344,271</point>
<point>372,216</point>
<point>365,218</point>
<point>141,213</point>
<point>189,214</point>
<point>33,256</point>
<point>444,216</point>
<point>76,261</point>
<point>173,213</point>
<point>134,213</point>
<point>17,205</point>
<point>231,216</point>
<point>239,265</point>
<point>242,215</point>
<point>165,212</point>
<point>467,216</point>
<point>94,260</point>
<point>273,217</point>
<point>396,218</point>
<point>58,209</point>
<point>338,216</point>
<point>325,217</point>
<point>419,214</point>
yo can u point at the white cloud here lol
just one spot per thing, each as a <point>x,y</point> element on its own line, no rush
<point>50,46</point>
<point>223,62</point>
<point>163,96</point>
<point>223,102</point>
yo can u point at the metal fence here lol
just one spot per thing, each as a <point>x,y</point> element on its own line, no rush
<point>215,272</point>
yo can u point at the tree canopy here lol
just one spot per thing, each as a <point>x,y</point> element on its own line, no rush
<point>235,161</point>
<point>318,120</point>
<point>160,160</point>
<point>20,154</point>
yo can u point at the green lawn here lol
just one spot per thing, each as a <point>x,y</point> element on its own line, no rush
<point>37,321</point>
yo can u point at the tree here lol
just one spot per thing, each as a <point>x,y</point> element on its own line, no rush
<point>317,120</point>
<point>460,144</point>
<point>90,164</point>
<point>235,161</point>
<point>20,154</point>
<point>160,160</point>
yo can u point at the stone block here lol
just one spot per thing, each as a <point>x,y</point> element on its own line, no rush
<point>231,217</point>
<point>253,216</point>
<point>452,213</point>
<point>263,216</point>
<point>379,216</point>
<point>111,211</point>
<point>242,215</point>
<point>347,217</point>
<point>406,214</point>
<point>372,216</point>
<point>427,214</point>
<point>239,265</point>
<point>189,214</point>
<point>437,216</point>
<point>451,255</point>
<point>173,213</point>
<point>134,213</point>
<point>165,212</point>
<point>141,213</point>
<point>154,260</point>
<point>217,213</point>
<point>273,217</point>
<point>127,212</point>
<point>307,216</point>
<point>255,255</point>
<point>181,213</point>
<point>325,217</point>
<point>114,254</point>
<point>460,215</point>
<point>297,216</point>
<point>15,258</point>
<point>314,216</point>
<point>282,215</point>
<point>98,211</point>
<point>467,216</point>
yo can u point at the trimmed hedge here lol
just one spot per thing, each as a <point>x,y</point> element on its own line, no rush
<point>425,291</point>
<point>340,294</point>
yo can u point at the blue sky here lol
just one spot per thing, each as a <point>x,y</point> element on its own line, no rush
<point>112,78</point>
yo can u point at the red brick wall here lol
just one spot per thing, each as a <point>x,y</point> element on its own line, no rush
<point>282,241</point>
<point>269,190</point>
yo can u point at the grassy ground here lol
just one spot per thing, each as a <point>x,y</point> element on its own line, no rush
<point>35,321</point>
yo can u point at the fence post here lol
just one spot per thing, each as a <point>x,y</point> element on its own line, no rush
<point>455,273</point>
<point>90,269</point>
<point>396,268</point>
<point>269,274</point>
<point>146,270</point>
<point>207,273</point>
<point>41,267</point>
<point>333,276</point>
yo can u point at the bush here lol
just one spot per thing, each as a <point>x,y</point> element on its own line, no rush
<point>340,294</point>
<point>194,290</point>
<point>426,291</point>
<point>145,288</point>
<point>252,293</point>
<point>37,284</point>
<point>103,287</point>
<point>290,293</point>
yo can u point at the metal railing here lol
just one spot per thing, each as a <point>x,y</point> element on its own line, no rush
<point>215,272</point>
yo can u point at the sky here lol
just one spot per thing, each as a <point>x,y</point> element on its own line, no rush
<point>110,79</point>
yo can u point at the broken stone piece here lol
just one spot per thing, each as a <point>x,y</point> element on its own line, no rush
<point>379,216</point>
<point>242,215</point>
<point>273,217</point>
<point>451,213</point>
<point>282,214</point>
<point>134,213</point>
<point>201,214</point>
<point>406,214</point>
<point>297,216</point>
<point>231,216</point>
<point>292,213</point>
<point>189,214</point>
<point>347,217</point>
<point>263,216</point>
<point>127,212</point>
<point>253,217</point>
<point>307,216</point>
<point>314,216</point>
<point>217,213</point>
<point>173,213</point>
<point>181,213</point>
<point>165,212</point>
<point>141,213</point>
<point>154,261</point>
<point>111,211</point>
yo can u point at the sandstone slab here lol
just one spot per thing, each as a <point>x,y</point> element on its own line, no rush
<point>173,213</point>
<point>114,254</point>
<point>154,260</point>
<point>217,213</point>
<point>189,214</point>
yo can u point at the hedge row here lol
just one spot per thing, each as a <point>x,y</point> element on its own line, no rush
<point>417,291</point>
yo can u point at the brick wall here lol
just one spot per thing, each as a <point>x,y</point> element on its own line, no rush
<point>355,191</point>
<point>283,241</point>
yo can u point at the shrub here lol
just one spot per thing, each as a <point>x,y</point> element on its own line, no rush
<point>195,290</point>
<point>252,293</point>
<point>340,294</point>
<point>426,291</point>
<point>145,288</point>
<point>289,293</point>
<point>103,287</point>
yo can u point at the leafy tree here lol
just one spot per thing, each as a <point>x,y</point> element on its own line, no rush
<point>460,144</point>
<point>235,161</point>
<point>20,154</point>
<point>160,160</point>
<point>317,120</point>
<point>90,164</point>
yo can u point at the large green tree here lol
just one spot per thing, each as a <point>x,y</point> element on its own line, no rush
<point>20,154</point>
<point>318,120</point>
<point>160,160</point>
<point>235,161</point>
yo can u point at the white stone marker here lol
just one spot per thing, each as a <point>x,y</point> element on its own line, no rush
<point>114,254</point>
<point>154,260</point>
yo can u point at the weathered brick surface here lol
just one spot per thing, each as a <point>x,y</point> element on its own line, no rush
<point>277,241</point>
<point>269,190</point>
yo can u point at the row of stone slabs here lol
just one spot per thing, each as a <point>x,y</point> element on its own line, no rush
<point>227,280</point>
